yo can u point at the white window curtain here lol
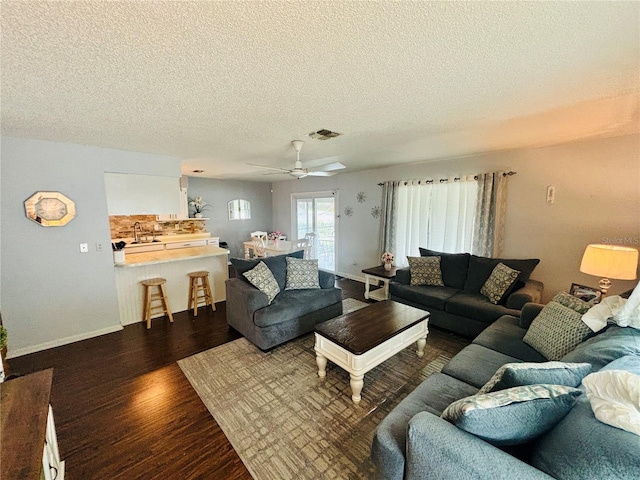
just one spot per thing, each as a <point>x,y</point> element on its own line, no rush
<point>438,216</point>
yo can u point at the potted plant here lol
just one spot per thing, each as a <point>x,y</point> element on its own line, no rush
<point>387,260</point>
<point>199,205</point>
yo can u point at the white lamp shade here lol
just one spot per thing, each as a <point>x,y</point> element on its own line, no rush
<point>610,261</point>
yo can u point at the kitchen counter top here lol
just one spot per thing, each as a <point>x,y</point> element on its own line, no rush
<point>184,237</point>
<point>164,256</point>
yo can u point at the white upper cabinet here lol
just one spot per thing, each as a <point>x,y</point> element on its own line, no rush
<point>129,194</point>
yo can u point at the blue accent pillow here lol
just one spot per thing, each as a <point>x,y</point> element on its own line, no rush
<point>613,343</point>
<point>628,363</point>
<point>512,416</point>
<point>554,373</point>
<point>277,264</point>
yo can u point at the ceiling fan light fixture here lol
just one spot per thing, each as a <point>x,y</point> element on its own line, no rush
<point>323,134</point>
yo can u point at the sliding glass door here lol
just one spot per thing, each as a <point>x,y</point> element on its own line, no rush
<point>316,213</point>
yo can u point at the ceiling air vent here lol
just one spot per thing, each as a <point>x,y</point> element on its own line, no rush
<point>324,134</point>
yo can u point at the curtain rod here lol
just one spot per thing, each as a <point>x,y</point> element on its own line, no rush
<point>457,179</point>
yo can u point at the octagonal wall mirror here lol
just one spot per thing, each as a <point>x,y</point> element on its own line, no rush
<point>239,209</point>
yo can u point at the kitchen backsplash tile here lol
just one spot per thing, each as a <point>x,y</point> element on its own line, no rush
<point>122,226</point>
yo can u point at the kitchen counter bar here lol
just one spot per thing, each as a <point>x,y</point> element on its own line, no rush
<point>174,266</point>
<point>164,256</point>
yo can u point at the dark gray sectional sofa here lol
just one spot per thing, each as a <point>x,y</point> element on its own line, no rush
<point>292,312</point>
<point>413,442</point>
<point>459,306</point>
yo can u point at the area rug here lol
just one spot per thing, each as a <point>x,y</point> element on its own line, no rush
<point>287,423</point>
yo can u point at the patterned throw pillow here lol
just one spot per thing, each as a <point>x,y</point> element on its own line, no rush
<point>302,274</point>
<point>556,331</point>
<point>574,303</point>
<point>425,271</point>
<point>512,416</point>
<point>501,278</point>
<point>524,373</point>
<point>261,277</point>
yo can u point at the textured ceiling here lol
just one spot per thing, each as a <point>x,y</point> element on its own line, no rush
<point>220,84</point>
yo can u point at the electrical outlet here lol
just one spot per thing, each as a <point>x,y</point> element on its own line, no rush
<point>84,248</point>
<point>99,246</point>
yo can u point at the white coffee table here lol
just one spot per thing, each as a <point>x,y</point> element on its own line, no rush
<point>362,340</point>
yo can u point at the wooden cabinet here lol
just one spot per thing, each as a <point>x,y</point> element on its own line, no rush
<point>29,447</point>
<point>145,247</point>
<point>192,243</point>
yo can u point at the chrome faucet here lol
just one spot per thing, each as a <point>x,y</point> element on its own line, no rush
<point>137,238</point>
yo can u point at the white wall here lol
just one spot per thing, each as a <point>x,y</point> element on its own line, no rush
<point>218,193</point>
<point>51,293</point>
<point>597,201</point>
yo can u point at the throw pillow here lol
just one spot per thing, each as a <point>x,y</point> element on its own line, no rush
<point>499,282</point>
<point>518,374</point>
<point>480,269</point>
<point>454,266</point>
<point>574,303</point>
<point>613,343</point>
<point>556,331</point>
<point>615,398</point>
<point>512,416</point>
<point>425,271</point>
<point>302,274</point>
<point>261,277</point>
<point>276,264</point>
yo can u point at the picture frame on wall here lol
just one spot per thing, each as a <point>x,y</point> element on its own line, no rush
<point>590,295</point>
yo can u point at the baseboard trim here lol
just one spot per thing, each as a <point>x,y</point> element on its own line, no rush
<point>61,341</point>
<point>351,277</point>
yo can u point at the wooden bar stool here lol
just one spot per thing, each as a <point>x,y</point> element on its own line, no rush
<point>150,297</point>
<point>195,287</point>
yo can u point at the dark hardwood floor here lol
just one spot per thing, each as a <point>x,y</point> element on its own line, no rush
<point>123,408</point>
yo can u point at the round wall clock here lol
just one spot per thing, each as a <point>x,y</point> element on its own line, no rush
<point>50,209</point>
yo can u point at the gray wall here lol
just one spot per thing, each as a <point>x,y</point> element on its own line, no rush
<point>218,193</point>
<point>597,201</point>
<point>51,293</point>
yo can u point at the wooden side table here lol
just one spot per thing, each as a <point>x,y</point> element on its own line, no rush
<point>379,274</point>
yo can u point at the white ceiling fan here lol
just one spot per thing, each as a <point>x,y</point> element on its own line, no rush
<point>299,172</point>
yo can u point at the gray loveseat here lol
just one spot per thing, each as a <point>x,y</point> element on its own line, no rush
<point>413,442</point>
<point>459,306</point>
<point>292,312</point>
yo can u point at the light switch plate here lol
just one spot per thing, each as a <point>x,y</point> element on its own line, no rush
<point>551,194</point>
<point>84,248</point>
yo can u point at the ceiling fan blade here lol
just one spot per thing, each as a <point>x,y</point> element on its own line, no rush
<point>270,168</point>
<point>330,167</point>
<point>321,174</point>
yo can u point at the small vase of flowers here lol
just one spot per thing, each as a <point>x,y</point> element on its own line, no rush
<point>387,260</point>
<point>199,205</point>
<point>275,235</point>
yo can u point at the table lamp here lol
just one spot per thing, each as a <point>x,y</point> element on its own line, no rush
<point>610,261</point>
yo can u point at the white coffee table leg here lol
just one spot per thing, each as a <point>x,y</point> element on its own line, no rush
<point>367,278</point>
<point>322,365</point>
<point>421,344</point>
<point>357,382</point>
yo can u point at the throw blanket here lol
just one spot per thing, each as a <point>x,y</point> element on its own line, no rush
<point>621,311</point>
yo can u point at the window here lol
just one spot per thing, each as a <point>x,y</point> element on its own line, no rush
<point>438,216</point>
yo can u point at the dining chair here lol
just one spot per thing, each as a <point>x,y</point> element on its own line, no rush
<point>301,244</point>
<point>311,244</point>
<point>258,247</point>
<point>262,236</point>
